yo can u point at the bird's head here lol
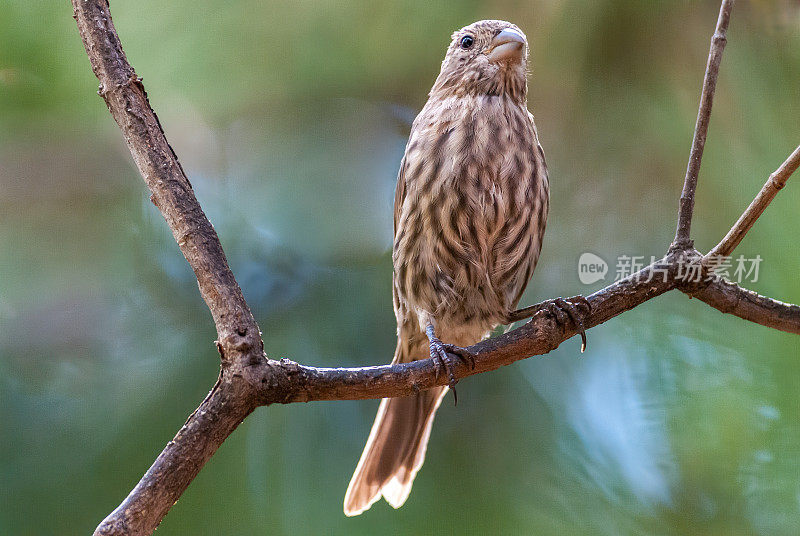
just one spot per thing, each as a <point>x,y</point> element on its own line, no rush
<point>488,57</point>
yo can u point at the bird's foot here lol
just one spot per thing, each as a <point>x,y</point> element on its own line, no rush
<point>562,310</point>
<point>441,352</point>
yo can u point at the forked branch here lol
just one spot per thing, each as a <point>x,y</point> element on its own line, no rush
<point>249,379</point>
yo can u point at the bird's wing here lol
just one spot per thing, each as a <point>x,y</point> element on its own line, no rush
<point>400,311</point>
<point>542,176</point>
<point>399,193</point>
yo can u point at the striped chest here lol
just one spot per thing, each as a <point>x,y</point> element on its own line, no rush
<point>470,209</point>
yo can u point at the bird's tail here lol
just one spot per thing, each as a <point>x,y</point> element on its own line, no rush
<point>395,449</point>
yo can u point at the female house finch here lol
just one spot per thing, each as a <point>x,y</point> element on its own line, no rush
<point>469,215</point>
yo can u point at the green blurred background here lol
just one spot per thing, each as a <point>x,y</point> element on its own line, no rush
<point>290,119</point>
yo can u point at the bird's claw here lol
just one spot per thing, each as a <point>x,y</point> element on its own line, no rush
<point>441,351</point>
<point>463,354</point>
<point>561,309</point>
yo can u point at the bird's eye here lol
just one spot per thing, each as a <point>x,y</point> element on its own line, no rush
<point>467,41</point>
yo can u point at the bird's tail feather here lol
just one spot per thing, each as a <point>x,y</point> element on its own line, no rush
<point>395,450</point>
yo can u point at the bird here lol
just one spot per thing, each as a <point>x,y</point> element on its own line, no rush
<point>470,210</point>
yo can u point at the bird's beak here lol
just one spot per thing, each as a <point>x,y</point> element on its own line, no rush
<point>507,46</point>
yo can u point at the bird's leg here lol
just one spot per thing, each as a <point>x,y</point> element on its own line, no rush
<point>560,309</point>
<point>439,352</point>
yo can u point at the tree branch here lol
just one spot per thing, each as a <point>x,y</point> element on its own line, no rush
<point>718,41</point>
<point>296,383</point>
<point>170,189</point>
<point>774,184</point>
<point>732,299</point>
<point>249,379</point>
<point>227,405</point>
<point>239,339</point>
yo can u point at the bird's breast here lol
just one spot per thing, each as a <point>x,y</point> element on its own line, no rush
<point>471,193</point>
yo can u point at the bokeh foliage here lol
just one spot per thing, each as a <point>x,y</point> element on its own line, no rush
<point>290,119</point>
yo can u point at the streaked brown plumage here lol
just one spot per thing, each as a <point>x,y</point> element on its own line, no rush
<point>470,212</point>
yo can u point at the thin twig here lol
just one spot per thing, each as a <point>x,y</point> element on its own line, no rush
<point>718,41</point>
<point>768,192</point>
